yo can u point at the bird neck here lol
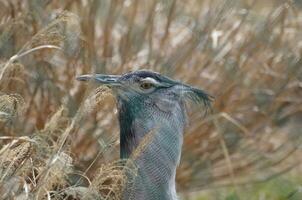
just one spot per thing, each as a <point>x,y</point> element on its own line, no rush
<point>158,160</point>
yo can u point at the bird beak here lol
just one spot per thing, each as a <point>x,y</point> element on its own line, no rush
<point>108,80</point>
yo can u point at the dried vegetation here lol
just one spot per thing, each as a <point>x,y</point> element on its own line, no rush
<point>59,138</point>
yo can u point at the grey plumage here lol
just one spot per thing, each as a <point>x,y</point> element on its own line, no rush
<point>150,102</point>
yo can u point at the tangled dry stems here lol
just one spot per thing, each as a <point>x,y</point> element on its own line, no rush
<point>250,62</point>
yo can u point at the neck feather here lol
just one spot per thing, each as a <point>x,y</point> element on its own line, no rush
<point>157,163</point>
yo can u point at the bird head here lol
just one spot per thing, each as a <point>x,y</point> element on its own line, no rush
<point>149,88</point>
<point>146,101</point>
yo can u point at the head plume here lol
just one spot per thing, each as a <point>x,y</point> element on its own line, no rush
<point>197,96</point>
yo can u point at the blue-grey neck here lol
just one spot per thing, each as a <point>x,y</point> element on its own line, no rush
<point>158,161</point>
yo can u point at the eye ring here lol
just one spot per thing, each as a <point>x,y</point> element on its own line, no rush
<point>146,85</point>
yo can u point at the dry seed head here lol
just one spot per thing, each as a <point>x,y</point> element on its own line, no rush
<point>55,171</point>
<point>52,37</point>
<point>53,33</point>
<point>95,99</point>
<point>111,179</point>
<point>14,73</point>
<point>13,156</point>
<point>57,123</point>
<point>142,146</point>
<point>10,107</point>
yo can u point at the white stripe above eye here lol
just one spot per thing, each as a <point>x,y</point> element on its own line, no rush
<point>150,80</point>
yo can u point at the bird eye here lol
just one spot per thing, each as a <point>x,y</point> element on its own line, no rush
<point>146,85</point>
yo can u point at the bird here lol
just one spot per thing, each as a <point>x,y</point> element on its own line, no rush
<point>151,103</point>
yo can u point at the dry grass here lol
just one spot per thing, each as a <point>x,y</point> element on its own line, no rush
<point>59,138</point>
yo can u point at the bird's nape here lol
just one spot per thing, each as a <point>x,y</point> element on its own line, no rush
<point>199,97</point>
